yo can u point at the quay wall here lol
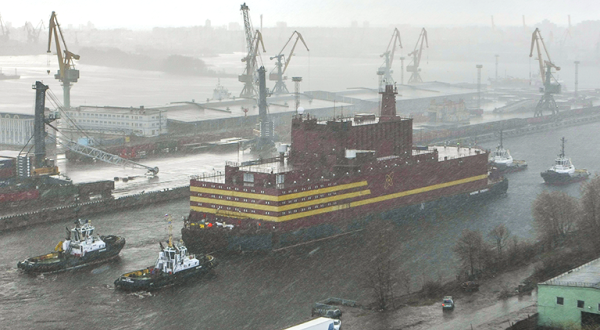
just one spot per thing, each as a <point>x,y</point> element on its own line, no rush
<point>78,210</point>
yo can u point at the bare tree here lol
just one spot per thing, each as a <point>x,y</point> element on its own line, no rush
<point>554,216</point>
<point>590,209</point>
<point>381,242</point>
<point>470,248</point>
<point>500,235</point>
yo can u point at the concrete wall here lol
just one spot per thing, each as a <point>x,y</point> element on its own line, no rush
<point>568,314</point>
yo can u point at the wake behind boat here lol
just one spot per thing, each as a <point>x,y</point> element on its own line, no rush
<point>79,249</point>
<point>563,171</point>
<point>173,266</point>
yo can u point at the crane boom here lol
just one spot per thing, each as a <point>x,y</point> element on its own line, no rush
<point>416,54</point>
<point>547,101</point>
<point>67,73</point>
<point>385,70</point>
<point>280,87</point>
<point>249,77</point>
<point>103,155</point>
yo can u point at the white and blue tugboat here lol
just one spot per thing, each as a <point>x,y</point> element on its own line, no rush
<point>563,171</point>
<point>503,161</point>
<point>81,248</point>
<point>173,266</point>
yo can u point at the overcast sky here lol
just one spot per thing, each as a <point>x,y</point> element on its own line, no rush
<point>137,14</point>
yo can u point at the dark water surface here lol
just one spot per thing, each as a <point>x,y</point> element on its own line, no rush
<point>260,291</point>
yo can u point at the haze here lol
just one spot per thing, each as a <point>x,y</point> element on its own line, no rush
<point>154,13</point>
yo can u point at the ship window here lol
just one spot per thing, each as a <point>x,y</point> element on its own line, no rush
<point>245,189</point>
<point>248,177</point>
<point>295,200</point>
<point>303,209</point>
<point>268,213</point>
<point>268,203</point>
<point>252,190</point>
<point>237,199</point>
<point>262,191</point>
<point>213,206</point>
<point>280,178</point>
<point>220,187</point>
<point>309,198</point>
<point>253,201</point>
<point>229,208</point>
<point>295,211</point>
<point>228,198</point>
<point>295,190</point>
<point>213,196</point>
<point>245,200</point>
<point>237,189</point>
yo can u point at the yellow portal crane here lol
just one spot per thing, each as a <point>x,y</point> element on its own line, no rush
<point>547,101</point>
<point>67,73</point>
<point>385,71</point>
<point>250,75</point>
<point>280,87</point>
<point>413,68</point>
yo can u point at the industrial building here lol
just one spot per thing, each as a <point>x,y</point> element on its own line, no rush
<point>118,120</point>
<point>15,129</point>
<point>571,300</point>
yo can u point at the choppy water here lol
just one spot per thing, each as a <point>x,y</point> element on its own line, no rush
<point>253,291</point>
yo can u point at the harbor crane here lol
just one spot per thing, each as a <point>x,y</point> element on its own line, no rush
<point>46,167</point>
<point>67,73</point>
<point>253,39</point>
<point>280,87</point>
<point>33,33</point>
<point>385,71</point>
<point>551,85</point>
<point>413,68</point>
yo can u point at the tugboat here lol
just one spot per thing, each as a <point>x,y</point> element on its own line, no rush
<point>220,92</point>
<point>503,161</point>
<point>563,171</point>
<point>174,265</point>
<point>79,249</point>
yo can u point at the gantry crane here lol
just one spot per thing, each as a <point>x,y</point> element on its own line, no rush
<point>33,33</point>
<point>413,68</point>
<point>547,101</point>
<point>280,87</point>
<point>250,76</point>
<point>385,71</point>
<point>67,73</point>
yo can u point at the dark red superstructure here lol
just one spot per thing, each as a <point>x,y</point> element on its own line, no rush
<point>337,173</point>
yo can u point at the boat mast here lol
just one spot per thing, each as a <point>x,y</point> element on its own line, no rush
<point>501,139</point>
<point>562,153</point>
<point>170,230</point>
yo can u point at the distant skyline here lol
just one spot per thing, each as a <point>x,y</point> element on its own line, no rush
<point>137,14</point>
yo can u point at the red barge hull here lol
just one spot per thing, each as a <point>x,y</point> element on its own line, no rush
<point>338,174</point>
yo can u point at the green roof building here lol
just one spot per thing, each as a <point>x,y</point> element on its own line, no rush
<point>571,299</point>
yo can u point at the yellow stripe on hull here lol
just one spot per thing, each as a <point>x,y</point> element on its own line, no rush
<point>280,197</point>
<point>280,208</point>
<point>347,205</point>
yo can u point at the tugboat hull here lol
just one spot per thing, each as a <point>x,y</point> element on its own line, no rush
<point>58,261</point>
<point>551,177</point>
<point>153,279</point>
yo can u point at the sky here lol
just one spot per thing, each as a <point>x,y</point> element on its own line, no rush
<point>136,14</point>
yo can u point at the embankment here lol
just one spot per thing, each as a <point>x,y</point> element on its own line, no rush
<point>79,210</point>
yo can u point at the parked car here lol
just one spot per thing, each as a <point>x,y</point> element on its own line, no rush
<point>447,303</point>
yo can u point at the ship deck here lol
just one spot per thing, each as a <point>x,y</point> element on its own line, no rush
<point>447,153</point>
<point>277,167</point>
